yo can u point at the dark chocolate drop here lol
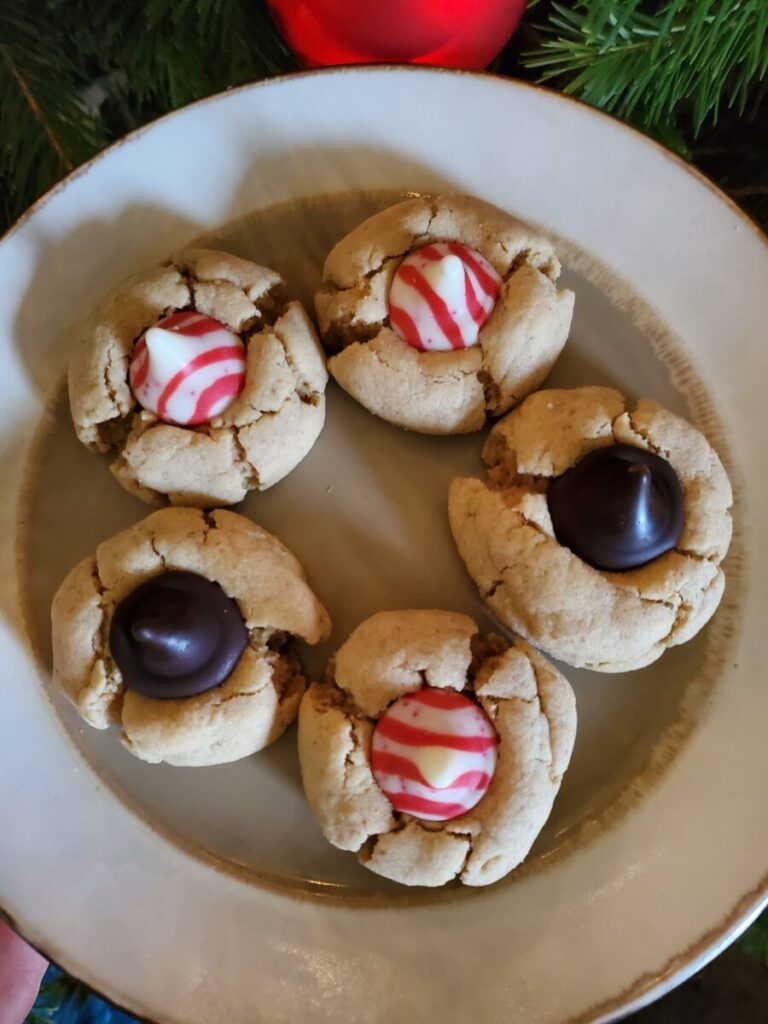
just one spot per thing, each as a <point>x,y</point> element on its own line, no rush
<point>176,635</point>
<point>618,508</point>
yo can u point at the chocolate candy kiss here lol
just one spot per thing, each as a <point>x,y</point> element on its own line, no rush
<point>176,635</point>
<point>618,508</point>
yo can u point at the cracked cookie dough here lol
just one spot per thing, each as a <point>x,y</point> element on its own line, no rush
<point>225,696</point>
<point>274,411</point>
<point>609,621</point>
<point>442,392</point>
<point>528,704</point>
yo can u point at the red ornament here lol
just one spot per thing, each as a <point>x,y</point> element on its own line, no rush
<point>448,33</point>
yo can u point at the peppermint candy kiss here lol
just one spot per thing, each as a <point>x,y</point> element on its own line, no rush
<point>187,369</point>
<point>433,754</point>
<point>441,295</point>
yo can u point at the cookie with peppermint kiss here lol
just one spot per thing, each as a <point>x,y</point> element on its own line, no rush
<point>203,378</point>
<point>440,313</point>
<point>434,753</point>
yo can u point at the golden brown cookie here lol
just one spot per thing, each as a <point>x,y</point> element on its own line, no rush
<point>609,621</point>
<point>259,438</point>
<point>529,706</point>
<point>256,702</point>
<point>442,392</point>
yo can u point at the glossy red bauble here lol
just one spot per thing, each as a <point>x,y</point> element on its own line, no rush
<point>448,33</point>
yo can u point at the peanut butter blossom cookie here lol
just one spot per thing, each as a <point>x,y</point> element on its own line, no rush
<point>180,631</point>
<point>434,753</point>
<point>203,378</point>
<point>600,529</point>
<point>441,312</point>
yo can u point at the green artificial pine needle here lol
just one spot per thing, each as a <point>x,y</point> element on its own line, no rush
<point>754,941</point>
<point>149,56</point>
<point>655,63</point>
<point>45,130</point>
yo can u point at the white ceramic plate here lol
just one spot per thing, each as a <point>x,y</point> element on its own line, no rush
<point>208,895</point>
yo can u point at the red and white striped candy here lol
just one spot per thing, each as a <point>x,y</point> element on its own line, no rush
<point>441,295</point>
<point>433,754</point>
<point>187,369</point>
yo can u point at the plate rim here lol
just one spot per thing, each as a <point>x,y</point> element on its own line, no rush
<point>646,988</point>
<point>335,69</point>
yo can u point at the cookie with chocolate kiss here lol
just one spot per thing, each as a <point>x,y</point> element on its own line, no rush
<point>181,631</point>
<point>599,531</point>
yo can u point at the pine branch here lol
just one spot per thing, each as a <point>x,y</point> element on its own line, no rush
<point>28,97</point>
<point>151,55</point>
<point>650,62</point>
<point>735,153</point>
<point>754,942</point>
<point>223,37</point>
<point>44,129</point>
<point>175,51</point>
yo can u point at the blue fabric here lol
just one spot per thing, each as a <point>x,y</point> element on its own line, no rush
<point>63,1000</point>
